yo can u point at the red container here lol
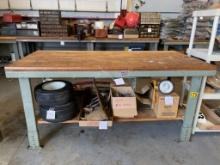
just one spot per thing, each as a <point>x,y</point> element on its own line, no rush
<point>132,19</point>
<point>120,22</point>
<point>11,18</point>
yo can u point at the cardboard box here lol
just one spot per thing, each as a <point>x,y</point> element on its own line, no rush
<point>123,100</point>
<point>166,106</point>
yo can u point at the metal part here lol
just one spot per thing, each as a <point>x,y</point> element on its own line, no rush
<point>26,93</point>
<point>191,106</point>
<point>92,105</point>
<point>166,87</point>
<point>106,74</point>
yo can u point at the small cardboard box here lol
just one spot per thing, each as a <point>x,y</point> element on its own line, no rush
<point>123,102</point>
<point>166,106</point>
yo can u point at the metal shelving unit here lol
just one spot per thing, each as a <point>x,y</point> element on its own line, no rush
<point>208,55</point>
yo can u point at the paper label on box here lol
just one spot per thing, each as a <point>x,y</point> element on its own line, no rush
<point>103,125</point>
<point>51,114</point>
<point>149,30</point>
<point>119,81</point>
<point>120,36</point>
<point>123,73</point>
<point>62,43</point>
<point>168,100</point>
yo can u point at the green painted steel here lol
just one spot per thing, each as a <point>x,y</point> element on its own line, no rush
<point>105,74</point>
<point>25,86</point>
<point>32,131</point>
<point>191,106</point>
<point>15,50</point>
<point>20,49</point>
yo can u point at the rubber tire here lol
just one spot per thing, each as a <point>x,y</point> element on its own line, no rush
<point>63,112</point>
<point>53,97</point>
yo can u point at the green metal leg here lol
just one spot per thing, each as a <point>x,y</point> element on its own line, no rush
<point>20,49</point>
<point>192,101</point>
<point>15,50</point>
<point>165,47</point>
<point>133,82</point>
<point>90,46</point>
<point>32,131</point>
<point>154,46</point>
<point>1,136</point>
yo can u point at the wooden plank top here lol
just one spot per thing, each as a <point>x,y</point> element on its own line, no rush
<point>108,61</point>
<point>183,42</point>
<point>7,38</point>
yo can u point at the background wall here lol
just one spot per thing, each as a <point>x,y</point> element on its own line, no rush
<point>168,8</point>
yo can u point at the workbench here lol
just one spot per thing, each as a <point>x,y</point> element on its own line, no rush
<point>184,43</point>
<point>11,41</point>
<point>20,42</point>
<point>109,64</point>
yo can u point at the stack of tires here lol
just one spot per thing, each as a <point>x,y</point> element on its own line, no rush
<point>56,101</point>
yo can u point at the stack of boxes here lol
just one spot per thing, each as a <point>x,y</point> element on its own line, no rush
<point>51,24</point>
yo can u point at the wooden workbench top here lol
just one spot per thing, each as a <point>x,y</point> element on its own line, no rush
<point>108,61</point>
<point>184,41</point>
<point>73,38</point>
<point>7,38</point>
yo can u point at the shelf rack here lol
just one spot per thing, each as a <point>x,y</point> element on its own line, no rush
<point>143,116</point>
<point>209,56</point>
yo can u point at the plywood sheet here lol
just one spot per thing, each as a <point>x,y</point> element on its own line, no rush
<point>44,4</point>
<point>169,6</point>
<point>4,4</point>
<point>21,4</point>
<point>108,61</point>
<point>114,5</point>
<point>67,5</point>
<point>91,5</point>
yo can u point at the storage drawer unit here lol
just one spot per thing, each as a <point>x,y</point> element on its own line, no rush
<point>149,25</point>
<point>149,31</point>
<point>51,24</point>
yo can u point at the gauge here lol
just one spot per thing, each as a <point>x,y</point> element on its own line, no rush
<point>166,87</point>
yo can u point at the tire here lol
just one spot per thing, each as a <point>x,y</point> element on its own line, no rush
<point>51,93</point>
<point>62,112</point>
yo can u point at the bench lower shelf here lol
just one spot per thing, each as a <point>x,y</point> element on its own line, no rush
<point>146,115</point>
<point>207,128</point>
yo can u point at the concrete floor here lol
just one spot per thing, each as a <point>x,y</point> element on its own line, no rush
<point>124,144</point>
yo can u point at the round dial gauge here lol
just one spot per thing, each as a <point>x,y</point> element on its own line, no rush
<point>166,87</point>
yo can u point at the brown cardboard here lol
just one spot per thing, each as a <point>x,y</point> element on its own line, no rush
<point>124,107</point>
<point>166,111</point>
